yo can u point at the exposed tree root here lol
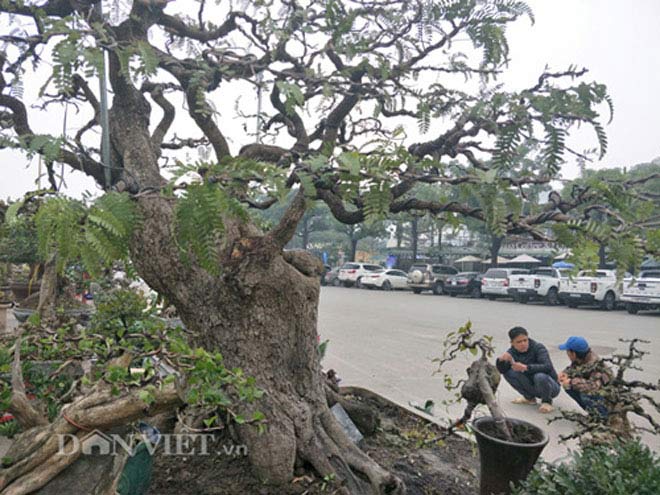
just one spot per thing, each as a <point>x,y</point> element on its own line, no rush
<point>33,456</point>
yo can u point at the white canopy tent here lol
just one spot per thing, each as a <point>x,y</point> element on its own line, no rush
<point>468,260</point>
<point>500,260</point>
<point>524,259</point>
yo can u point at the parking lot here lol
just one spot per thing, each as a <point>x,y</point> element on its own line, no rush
<point>385,341</point>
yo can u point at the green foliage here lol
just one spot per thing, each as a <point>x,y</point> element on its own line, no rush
<point>138,59</point>
<point>423,117</point>
<point>200,225</point>
<point>555,144</point>
<point>97,235</point>
<point>377,203</point>
<point>123,324</point>
<point>10,429</point>
<point>615,215</point>
<point>618,469</point>
<point>65,57</point>
<point>18,239</point>
<point>322,348</point>
<point>494,205</point>
<point>293,96</point>
<point>58,224</point>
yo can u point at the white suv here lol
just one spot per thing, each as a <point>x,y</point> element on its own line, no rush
<point>496,281</point>
<point>351,273</point>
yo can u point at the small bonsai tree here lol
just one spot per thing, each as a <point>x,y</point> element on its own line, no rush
<point>482,380</point>
<point>621,396</point>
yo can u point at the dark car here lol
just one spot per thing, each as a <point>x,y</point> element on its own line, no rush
<point>465,284</point>
<point>330,277</point>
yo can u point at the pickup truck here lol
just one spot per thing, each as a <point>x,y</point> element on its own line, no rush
<point>541,283</point>
<point>642,292</point>
<point>599,287</point>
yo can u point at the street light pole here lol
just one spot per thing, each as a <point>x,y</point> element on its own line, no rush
<point>260,78</point>
<point>105,122</point>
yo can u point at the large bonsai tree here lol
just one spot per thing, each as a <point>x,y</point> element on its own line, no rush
<point>349,84</point>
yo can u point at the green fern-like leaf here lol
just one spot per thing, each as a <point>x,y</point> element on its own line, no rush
<point>602,138</point>
<point>555,144</point>
<point>507,142</point>
<point>377,203</point>
<point>423,117</point>
<point>97,236</point>
<point>58,223</point>
<point>149,60</point>
<point>199,223</point>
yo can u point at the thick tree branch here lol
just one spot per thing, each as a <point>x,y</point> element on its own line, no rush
<point>286,228</point>
<point>156,92</point>
<point>81,162</point>
<point>174,25</point>
<point>24,411</point>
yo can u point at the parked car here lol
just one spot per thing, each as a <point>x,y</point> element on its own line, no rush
<point>351,273</point>
<point>326,269</point>
<point>541,283</point>
<point>495,282</point>
<point>599,287</point>
<point>331,277</point>
<point>386,280</point>
<point>464,283</point>
<point>422,276</point>
<point>642,292</point>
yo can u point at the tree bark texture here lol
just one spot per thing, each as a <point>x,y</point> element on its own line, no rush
<point>261,314</point>
<point>495,245</point>
<point>48,290</point>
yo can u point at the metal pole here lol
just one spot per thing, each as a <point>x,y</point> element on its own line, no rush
<point>105,122</point>
<point>39,174</point>
<point>260,78</point>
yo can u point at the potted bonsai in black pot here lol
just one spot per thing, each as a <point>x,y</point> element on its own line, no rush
<point>508,448</point>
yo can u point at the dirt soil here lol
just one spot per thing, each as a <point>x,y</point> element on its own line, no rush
<point>448,468</point>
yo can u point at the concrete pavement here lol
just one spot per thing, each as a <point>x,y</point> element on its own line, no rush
<point>385,341</point>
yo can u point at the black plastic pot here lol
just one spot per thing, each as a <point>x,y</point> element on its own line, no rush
<point>503,462</point>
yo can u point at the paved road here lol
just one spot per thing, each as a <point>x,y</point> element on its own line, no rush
<point>385,341</point>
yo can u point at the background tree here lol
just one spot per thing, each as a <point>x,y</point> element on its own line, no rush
<point>344,80</point>
<point>625,227</point>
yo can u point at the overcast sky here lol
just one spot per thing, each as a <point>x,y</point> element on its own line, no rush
<point>618,41</point>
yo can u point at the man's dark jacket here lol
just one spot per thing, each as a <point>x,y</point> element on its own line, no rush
<point>536,358</point>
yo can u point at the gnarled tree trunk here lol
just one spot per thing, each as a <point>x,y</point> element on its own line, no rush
<point>48,289</point>
<point>495,245</point>
<point>261,314</point>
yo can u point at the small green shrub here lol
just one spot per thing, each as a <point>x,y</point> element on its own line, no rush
<point>9,429</point>
<point>618,469</point>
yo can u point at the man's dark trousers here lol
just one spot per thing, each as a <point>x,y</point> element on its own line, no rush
<point>590,403</point>
<point>539,385</point>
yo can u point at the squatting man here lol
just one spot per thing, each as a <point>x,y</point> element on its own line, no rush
<point>527,367</point>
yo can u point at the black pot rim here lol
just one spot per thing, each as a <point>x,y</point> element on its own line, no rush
<point>490,419</point>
